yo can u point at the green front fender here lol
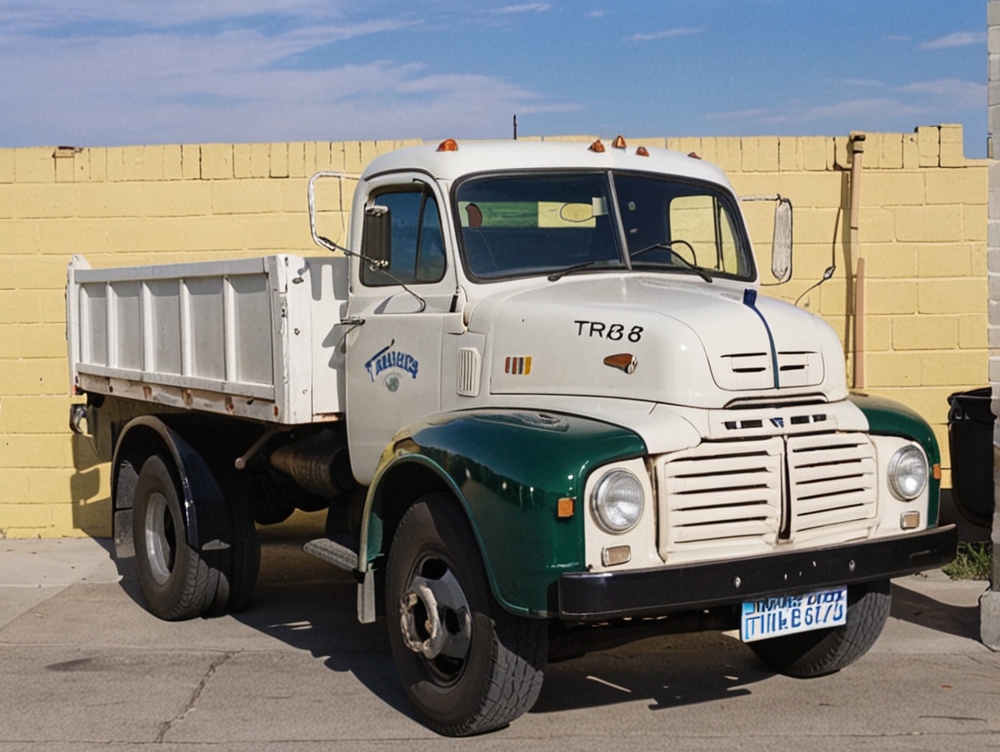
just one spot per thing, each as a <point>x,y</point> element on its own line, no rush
<point>889,418</point>
<point>508,469</point>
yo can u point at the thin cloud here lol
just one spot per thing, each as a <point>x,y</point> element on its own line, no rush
<point>524,8</point>
<point>952,91</point>
<point>957,39</point>
<point>595,14</point>
<point>677,32</point>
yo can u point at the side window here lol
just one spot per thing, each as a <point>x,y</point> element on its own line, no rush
<point>417,248</point>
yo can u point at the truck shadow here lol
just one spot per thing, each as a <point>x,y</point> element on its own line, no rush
<point>914,607</point>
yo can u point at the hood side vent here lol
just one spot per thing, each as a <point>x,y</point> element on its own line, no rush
<point>470,368</point>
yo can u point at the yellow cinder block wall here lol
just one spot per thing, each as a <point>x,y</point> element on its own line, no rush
<point>922,234</point>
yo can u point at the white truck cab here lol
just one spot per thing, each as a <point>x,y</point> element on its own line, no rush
<point>546,406</point>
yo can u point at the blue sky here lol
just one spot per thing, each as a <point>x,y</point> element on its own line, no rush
<point>120,72</point>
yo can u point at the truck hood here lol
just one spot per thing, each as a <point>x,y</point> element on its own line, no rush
<point>648,338</point>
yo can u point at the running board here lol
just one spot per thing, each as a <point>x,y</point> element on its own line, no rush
<point>332,552</point>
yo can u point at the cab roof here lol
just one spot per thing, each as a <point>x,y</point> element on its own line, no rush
<point>490,156</point>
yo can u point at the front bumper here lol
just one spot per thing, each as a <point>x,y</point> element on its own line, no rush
<point>595,596</point>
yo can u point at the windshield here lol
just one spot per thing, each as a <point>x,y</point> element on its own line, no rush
<point>523,224</point>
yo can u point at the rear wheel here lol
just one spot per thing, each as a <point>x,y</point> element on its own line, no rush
<point>175,579</point>
<point>468,665</point>
<point>825,651</point>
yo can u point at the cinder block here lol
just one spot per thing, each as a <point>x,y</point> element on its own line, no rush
<point>53,484</point>
<point>956,368</point>
<point>190,161</point>
<point>19,237</point>
<point>893,369</point>
<point>816,225</point>
<point>216,161</point>
<point>878,333</point>
<point>177,198</point>
<point>929,144</point>
<point>297,160</point>
<point>749,154</point>
<point>34,376</point>
<point>284,231</point>
<point>928,223</point>
<point>7,165</point>
<point>115,158</point>
<point>33,340</point>
<point>260,160</point>
<point>989,602</point>
<point>242,161</point>
<point>247,196</point>
<point>924,332</point>
<point>98,165</point>
<point>215,233</point>
<point>44,201</point>
<point>295,197</point>
<point>974,222</point>
<point>143,162</point>
<point>890,296</point>
<point>973,332</point>
<point>81,166</point>
<point>279,160</point>
<point>816,152</point>
<point>34,272</point>
<point>889,260</point>
<point>871,157</point>
<point>324,157</point>
<point>885,188</point>
<point>979,268</point>
<point>944,260</point>
<point>911,151</point>
<point>65,236</point>
<point>147,234</point>
<point>24,520</point>
<point>7,193</point>
<point>310,157</point>
<point>35,165</point>
<point>173,162</point>
<point>890,151</point>
<point>65,170</point>
<point>368,152</point>
<point>14,482</point>
<point>789,154</point>
<point>102,200</point>
<point>966,186</point>
<point>19,307</point>
<point>35,451</point>
<point>31,415</point>
<point>952,296</point>
<point>832,299</point>
<point>352,157</point>
<point>842,153</point>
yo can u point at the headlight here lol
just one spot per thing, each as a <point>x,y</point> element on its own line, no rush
<point>617,501</point>
<point>907,473</point>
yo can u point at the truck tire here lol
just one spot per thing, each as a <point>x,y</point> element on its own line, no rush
<point>824,651</point>
<point>468,666</point>
<point>175,579</point>
<point>241,563</point>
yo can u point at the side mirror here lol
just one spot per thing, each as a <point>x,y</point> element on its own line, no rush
<point>376,239</point>
<point>781,243</point>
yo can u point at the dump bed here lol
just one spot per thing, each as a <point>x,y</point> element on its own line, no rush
<point>256,337</point>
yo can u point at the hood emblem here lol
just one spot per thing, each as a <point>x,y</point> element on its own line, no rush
<point>623,362</point>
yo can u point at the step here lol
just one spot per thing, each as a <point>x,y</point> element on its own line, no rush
<point>340,553</point>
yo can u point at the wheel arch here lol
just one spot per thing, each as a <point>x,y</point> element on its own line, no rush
<point>202,500</point>
<point>507,470</point>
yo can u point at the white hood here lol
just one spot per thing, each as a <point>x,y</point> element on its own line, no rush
<point>690,343</point>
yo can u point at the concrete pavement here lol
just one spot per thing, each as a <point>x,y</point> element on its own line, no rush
<point>84,666</point>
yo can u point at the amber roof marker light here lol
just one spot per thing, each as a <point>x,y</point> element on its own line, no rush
<point>449,144</point>
<point>597,147</point>
<point>619,143</point>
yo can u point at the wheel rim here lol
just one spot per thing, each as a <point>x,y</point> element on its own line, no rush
<point>161,538</point>
<point>436,620</point>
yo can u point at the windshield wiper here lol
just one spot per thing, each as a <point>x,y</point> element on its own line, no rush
<point>577,267</point>
<point>664,246</point>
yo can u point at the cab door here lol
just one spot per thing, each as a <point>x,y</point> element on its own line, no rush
<point>394,357</point>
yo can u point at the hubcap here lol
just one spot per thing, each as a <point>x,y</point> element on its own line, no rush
<point>161,538</point>
<point>435,617</point>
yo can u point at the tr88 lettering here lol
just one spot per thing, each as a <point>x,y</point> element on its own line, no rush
<point>613,332</point>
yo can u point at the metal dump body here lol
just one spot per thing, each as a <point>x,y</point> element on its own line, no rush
<point>248,337</point>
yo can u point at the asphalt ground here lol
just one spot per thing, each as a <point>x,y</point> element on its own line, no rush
<point>84,666</point>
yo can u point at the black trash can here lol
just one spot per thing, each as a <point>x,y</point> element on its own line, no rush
<point>970,437</point>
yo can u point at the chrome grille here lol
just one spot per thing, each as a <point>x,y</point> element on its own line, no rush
<point>832,480</point>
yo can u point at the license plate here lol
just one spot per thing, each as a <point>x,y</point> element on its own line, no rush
<point>790,614</point>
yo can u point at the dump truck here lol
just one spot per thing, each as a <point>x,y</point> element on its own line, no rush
<point>538,392</point>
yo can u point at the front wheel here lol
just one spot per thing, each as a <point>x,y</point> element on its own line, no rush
<point>468,666</point>
<point>825,651</point>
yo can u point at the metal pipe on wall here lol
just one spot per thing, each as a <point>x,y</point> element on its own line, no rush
<point>857,141</point>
